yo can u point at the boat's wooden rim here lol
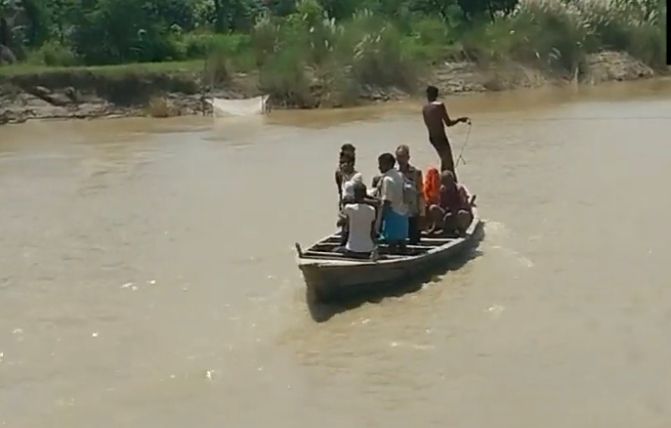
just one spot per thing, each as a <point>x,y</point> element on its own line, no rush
<point>327,261</point>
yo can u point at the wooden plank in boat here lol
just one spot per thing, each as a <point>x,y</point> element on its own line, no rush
<point>437,240</point>
<point>331,255</point>
<point>382,247</point>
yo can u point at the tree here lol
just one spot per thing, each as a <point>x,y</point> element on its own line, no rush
<point>339,9</point>
<point>115,31</point>
<point>448,10</point>
<point>60,12</point>
<point>474,9</point>
<point>281,7</point>
<point>174,12</point>
<point>235,15</point>
<point>37,16</point>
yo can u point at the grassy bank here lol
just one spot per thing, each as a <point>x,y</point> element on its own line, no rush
<point>117,70</point>
<point>315,54</point>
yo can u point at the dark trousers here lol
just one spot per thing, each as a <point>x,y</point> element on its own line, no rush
<point>414,230</point>
<point>344,235</point>
<point>444,151</point>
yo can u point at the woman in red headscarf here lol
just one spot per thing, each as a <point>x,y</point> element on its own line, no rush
<point>432,187</point>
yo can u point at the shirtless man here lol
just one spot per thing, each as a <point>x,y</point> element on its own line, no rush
<point>436,118</point>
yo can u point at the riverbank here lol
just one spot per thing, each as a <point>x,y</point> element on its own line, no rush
<point>176,89</point>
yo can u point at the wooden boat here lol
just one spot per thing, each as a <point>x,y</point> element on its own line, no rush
<point>330,275</point>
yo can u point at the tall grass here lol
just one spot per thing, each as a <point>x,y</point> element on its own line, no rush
<point>53,54</point>
<point>308,58</point>
<point>559,34</point>
<point>635,26</point>
<point>548,32</point>
<point>301,55</point>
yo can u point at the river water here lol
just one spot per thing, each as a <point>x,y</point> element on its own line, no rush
<point>147,276</point>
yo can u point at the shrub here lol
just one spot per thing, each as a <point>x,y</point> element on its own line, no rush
<point>118,31</point>
<point>265,38</point>
<point>284,77</point>
<point>637,27</point>
<point>235,48</point>
<point>200,45</point>
<point>217,69</point>
<point>53,54</point>
<point>428,40</point>
<point>160,107</point>
<point>552,32</point>
<point>495,41</point>
<point>647,42</point>
<point>562,35</point>
<point>373,49</point>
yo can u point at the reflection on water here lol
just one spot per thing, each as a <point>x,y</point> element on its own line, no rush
<point>147,275</point>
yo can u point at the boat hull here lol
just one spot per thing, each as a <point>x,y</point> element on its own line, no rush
<point>328,279</point>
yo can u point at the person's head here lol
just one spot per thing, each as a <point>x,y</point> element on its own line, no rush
<point>431,93</point>
<point>403,155</point>
<point>386,162</point>
<point>359,192</point>
<point>347,163</point>
<point>447,179</point>
<point>347,149</point>
<point>432,186</point>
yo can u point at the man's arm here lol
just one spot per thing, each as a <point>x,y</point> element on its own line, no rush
<point>466,196</point>
<point>373,229</point>
<point>342,220</point>
<point>385,203</point>
<point>420,191</point>
<point>343,217</point>
<point>338,181</point>
<point>450,122</point>
<point>420,181</point>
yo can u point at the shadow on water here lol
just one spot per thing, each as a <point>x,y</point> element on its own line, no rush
<point>324,311</point>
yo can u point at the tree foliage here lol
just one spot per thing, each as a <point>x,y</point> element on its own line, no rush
<point>117,31</point>
<point>474,9</point>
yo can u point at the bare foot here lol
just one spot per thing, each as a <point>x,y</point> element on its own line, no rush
<point>433,230</point>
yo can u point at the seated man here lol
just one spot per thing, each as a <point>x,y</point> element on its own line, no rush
<point>453,213</point>
<point>358,218</point>
<point>347,197</point>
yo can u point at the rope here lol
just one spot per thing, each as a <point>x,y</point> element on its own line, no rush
<point>581,119</point>
<point>461,159</point>
<point>463,147</point>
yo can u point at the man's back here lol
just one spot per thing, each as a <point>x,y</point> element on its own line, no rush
<point>392,190</point>
<point>361,218</point>
<point>433,113</point>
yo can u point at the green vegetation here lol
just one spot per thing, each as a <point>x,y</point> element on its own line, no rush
<point>302,47</point>
<point>117,70</point>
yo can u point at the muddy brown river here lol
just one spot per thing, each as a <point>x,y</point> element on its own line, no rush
<point>147,273</point>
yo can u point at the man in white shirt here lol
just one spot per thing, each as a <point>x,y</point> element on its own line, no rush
<point>412,192</point>
<point>346,177</point>
<point>360,219</point>
<point>394,211</point>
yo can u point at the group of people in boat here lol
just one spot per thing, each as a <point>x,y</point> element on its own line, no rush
<point>401,203</point>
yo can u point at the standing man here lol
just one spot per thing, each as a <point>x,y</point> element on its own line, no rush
<point>435,119</point>
<point>413,195</point>
<point>393,215</point>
